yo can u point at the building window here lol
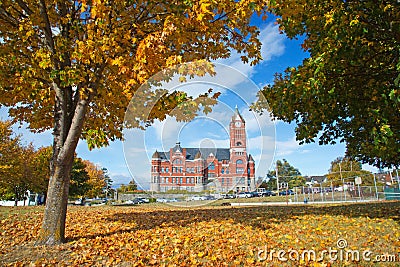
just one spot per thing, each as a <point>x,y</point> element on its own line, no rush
<point>239,170</point>
<point>222,181</point>
<point>167,169</point>
<point>239,161</point>
<point>239,180</point>
<point>223,170</point>
<point>211,166</point>
<point>238,144</point>
<point>177,161</point>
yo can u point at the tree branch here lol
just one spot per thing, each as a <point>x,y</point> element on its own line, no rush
<point>47,27</point>
<point>24,7</point>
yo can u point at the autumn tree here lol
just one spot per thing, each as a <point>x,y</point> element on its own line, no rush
<point>286,174</point>
<point>74,66</point>
<point>130,187</point>
<point>345,169</point>
<point>79,179</point>
<point>348,87</point>
<point>41,169</point>
<point>8,151</point>
<point>15,165</point>
<point>108,190</point>
<point>97,179</point>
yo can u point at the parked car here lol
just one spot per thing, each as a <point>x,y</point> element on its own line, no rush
<point>254,194</point>
<point>144,200</point>
<point>82,202</point>
<point>193,198</point>
<point>286,192</point>
<point>229,196</point>
<point>78,202</point>
<point>244,195</point>
<point>130,202</point>
<point>161,200</point>
<point>268,193</point>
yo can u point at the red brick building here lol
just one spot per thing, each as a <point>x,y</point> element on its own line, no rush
<point>198,169</point>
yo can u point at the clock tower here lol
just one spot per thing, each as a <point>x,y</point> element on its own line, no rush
<point>237,130</point>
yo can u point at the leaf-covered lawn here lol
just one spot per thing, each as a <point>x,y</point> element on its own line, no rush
<point>209,236</point>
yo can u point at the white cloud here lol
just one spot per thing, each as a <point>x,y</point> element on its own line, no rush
<point>272,42</point>
<point>288,147</point>
<point>255,122</point>
<point>272,46</point>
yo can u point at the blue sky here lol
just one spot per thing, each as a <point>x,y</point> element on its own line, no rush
<point>268,141</point>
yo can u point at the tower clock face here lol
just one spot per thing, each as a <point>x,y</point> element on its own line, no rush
<point>237,124</point>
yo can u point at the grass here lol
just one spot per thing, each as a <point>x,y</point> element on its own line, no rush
<point>163,235</point>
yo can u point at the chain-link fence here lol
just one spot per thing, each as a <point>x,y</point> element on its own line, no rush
<point>349,193</point>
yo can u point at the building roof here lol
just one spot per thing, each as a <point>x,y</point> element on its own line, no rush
<point>318,179</point>
<point>219,153</point>
<point>156,155</point>
<point>250,158</point>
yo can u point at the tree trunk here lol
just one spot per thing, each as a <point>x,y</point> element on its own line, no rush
<point>53,228</point>
<point>66,136</point>
<point>16,196</point>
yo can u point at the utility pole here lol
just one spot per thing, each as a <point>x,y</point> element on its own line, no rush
<point>341,176</point>
<point>376,189</point>
<point>277,178</point>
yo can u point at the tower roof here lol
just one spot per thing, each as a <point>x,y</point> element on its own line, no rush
<point>237,115</point>
<point>198,155</point>
<point>251,158</point>
<point>156,155</point>
<point>177,147</point>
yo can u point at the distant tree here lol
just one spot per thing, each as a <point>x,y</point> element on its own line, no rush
<point>130,187</point>
<point>41,169</point>
<point>108,191</point>
<point>263,184</point>
<point>79,185</point>
<point>348,169</point>
<point>15,165</point>
<point>286,174</point>
<point>96,182</point>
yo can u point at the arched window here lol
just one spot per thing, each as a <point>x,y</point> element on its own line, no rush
<point>239,161</point>
<point>211,166</point>
<point>223,170</point>
<point>238,144</point>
